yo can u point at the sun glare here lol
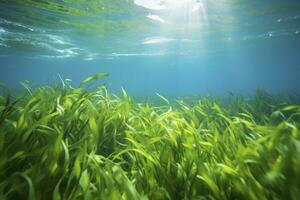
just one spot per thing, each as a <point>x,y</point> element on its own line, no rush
<point>176,12</point>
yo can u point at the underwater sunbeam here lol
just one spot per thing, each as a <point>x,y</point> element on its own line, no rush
<point>187,13</point>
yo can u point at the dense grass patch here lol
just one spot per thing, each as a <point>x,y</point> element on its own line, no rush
<point>70,143</point>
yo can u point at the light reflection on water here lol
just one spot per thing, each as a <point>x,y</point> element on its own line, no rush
<point>60,30</point>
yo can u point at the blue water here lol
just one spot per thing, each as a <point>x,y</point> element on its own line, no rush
<point>205,47</point>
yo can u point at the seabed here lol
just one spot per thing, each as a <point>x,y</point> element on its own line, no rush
<point>59,142</point>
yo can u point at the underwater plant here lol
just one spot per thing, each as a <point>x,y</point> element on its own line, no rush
<point>59,142</point>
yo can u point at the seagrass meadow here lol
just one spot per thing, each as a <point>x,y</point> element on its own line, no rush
<point>149,100</point>
<point>60,142</point>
